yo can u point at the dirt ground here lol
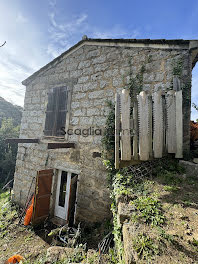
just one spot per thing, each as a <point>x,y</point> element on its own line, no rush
<point>178,195</point>
<point>32,243</point>
<point>23,242</point>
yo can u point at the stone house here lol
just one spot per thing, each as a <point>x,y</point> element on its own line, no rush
<point>69,95</point>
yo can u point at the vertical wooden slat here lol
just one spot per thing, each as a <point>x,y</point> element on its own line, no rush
<point>56,93</point>
<point>117,129</point>
<point>158,139</point>
<point>50,114</point>
<point>179,125</point>
<point>150,118</point>
<point>68,113</point>
<point>62,109</point>
<point>135,130</point>
<point>143,116</point>
<point>164,123</point>
<point>125,122</point>
<point>171,122</point>
<point>42,196</point>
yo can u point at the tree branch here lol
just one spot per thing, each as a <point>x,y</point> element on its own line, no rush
<point>3,44</point>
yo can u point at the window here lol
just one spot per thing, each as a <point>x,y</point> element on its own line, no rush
<point>56,112</point>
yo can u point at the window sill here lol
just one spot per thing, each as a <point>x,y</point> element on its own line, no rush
<point>53,138</point>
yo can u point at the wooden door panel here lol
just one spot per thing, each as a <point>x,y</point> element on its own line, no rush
<point>42,196</point>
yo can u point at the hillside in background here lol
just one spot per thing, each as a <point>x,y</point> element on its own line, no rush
<point>8,110</point>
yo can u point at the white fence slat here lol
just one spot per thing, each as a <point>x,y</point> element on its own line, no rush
<point>171,122</point>
<point>157,125</point>
<point>150,112</point>
<point>179,125</point>
<point>158,138</point>
<point>164,124</point>
<point>143,116</point>
<point>125,125</point>
<point>135,130</point>
<point>117,129</point>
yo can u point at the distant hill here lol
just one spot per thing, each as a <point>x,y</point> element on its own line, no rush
<point>8,110</point>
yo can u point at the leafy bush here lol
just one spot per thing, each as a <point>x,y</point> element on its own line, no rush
<point>8,152</point>
<point>148,210</point>
<point>144,246</point>
<point>7,213</point>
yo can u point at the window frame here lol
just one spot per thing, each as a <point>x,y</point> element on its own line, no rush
<point>56,111</point>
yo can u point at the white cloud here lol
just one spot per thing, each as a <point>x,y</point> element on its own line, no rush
<point>21,55</point>
<point>116,32</point>
<point>21,18</point>
<point>52,3</point>
<point>27,49</point>
<point>64,34</point>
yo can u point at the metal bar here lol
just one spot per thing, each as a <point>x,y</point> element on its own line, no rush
<point>22,140</point>
<point>60,145</point>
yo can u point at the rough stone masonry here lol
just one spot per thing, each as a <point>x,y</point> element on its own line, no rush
<point>94,70</point>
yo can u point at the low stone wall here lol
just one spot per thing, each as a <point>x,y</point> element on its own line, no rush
<point>191,168</point>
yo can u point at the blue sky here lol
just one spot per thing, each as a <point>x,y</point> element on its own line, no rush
<point>37,31</point>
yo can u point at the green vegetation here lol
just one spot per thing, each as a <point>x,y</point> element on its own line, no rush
<point>108,143</point>
<point>148,210</point>
<point>145,246</point>
<point>157,201</point>
<point>7,213</point>
<point>8,152</point>
<point>154,202</point>
<point>8,110</point>
<point>117,232</point>
<point>177,67</point>
<point>135,85</point>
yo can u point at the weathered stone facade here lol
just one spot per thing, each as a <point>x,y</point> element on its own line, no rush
<point>94,70</point>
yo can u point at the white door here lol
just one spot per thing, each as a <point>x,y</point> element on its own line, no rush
<point>62,194</point>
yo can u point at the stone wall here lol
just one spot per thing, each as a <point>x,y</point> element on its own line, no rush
<point>190,167</point>
<point>94,73</point>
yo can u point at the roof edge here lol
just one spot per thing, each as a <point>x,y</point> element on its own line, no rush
<point>150,43</point>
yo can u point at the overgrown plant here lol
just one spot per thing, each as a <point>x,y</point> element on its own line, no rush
<point>108,142</point>
<point>177,67</point>
<point>145,246</point>
<point>117,232</point>
<point>8,152</point>
<point>7,213</point>
<point>148,210</point>
<point>135,85</point>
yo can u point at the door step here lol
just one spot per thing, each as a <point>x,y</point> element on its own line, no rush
<point>58,221</point>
